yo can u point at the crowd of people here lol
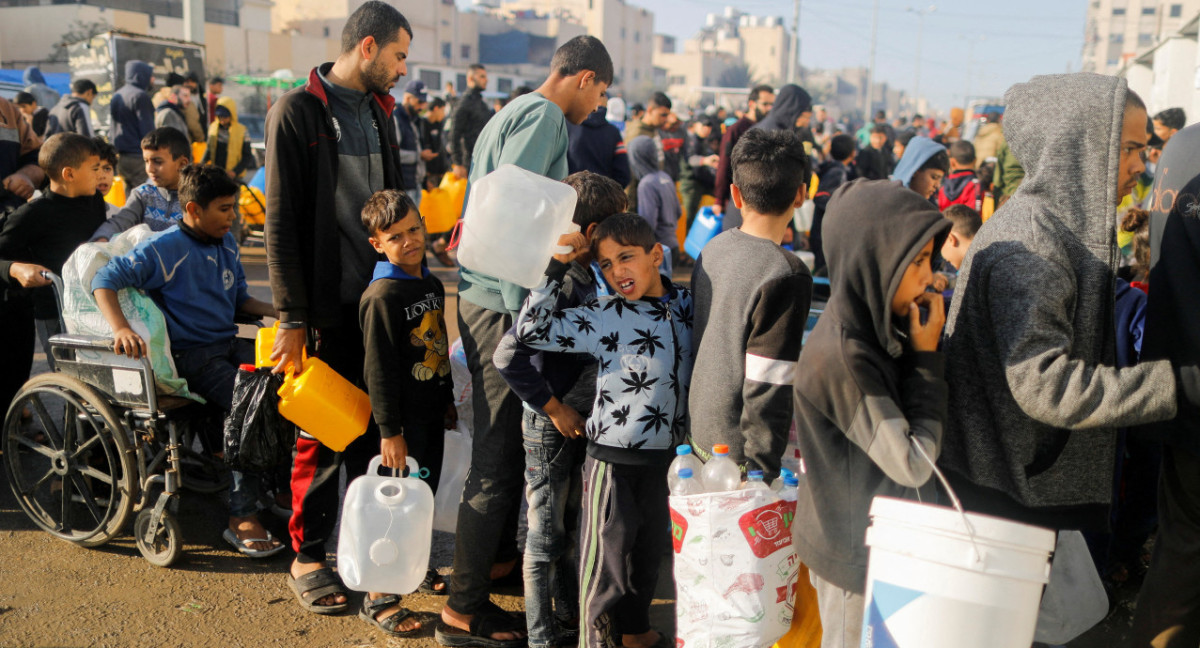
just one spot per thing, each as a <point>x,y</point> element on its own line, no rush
<point>1026,357</point>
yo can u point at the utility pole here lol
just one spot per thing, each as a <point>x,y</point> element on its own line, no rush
<point>794,63</point>
<point>921,13</point>
<point>867,117</point>
<point>193,21</point>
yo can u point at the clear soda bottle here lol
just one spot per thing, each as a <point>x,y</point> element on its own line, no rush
<point>777,483</point>
<point>684,458</point>
<point>790,492</point>
<point>686,484</point>
<point>754,479</point>
<point>721,473</point>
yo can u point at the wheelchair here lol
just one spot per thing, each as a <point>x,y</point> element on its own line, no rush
<point>102,445</point>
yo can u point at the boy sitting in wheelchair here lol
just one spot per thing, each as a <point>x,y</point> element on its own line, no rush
<point>193,272</point>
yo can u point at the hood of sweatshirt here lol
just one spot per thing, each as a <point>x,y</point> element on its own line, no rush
<point>138,74</point>
<point>597,119</point>
<point>955,183</point>
<point>33,75</point>
<point>791,102</point>
<point>616,106</point>
<point>918,152</point>
<point>643,156</point>
<point>229,104</point>
<point>873,229</point>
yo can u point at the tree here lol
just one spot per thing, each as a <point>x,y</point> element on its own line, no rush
<point>738,75</point>
<point>78,31</point>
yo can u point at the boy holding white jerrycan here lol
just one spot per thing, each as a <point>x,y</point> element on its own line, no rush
<point>406,367</point>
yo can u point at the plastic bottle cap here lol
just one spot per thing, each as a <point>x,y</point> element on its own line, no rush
<point>683,449</point>
<point>755,474</point>
<point>785,473</point>
<point>791,480</point>
<point>685,473</point>
<point>720,449</point>
<point>247,367</point>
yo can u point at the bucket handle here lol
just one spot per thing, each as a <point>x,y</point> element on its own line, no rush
<point>949,491</point>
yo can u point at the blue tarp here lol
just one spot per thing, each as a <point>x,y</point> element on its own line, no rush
<point>60,81</point>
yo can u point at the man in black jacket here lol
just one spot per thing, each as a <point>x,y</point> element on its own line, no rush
<point>330,146</point>
<point>72,113</point>
<point>470,116</point>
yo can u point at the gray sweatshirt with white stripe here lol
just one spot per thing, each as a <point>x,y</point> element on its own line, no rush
<point>752,299</point>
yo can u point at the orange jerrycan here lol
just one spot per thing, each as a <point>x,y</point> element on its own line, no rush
<point>318,399</point>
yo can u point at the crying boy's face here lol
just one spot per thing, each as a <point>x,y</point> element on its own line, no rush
<point>917,277</point>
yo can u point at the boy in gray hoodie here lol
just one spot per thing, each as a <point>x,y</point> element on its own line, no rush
<point>1035,393</point>
<point>871,390</point>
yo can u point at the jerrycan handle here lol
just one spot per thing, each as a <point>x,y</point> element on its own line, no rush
<point>391,492</point>
<point>567,249</point>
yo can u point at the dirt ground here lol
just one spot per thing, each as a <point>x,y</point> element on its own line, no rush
<point>53,593</point>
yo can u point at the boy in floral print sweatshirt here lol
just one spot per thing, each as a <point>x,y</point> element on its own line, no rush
<point>641,337</point>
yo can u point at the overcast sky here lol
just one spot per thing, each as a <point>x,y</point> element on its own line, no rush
<point>1013,39</point>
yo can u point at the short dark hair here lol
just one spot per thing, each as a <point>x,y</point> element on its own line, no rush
<point>216,79</point>
<point>918,116</point>
<point>905,137</point>
<point>599,197</point>
<point>583,53</point>
<point>106,151</point>
<point>757,91</point>
<point>841,147</point>
<point>879,128</point>
<point>519,91</point>
<point>386,208</point>
<point>169,138</point>
<point>378,20</point>
<point>880,114</point>
<point>768,168</point>
<point>939,160</point>
<point>625,229</point>
<point>475,67</point>
<point>966,220</point>
<point>436,102</point>
<point>661,100</point>
<point>65,150</point>
<point>24,99</point>
<point>1172,118</point>
<point>203,184</point>
<point>83,86</point>
<point>191,76</point>
<point>173,79</point>
<point>963,152</point>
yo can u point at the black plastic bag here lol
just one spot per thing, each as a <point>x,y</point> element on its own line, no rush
<point>257,437</point>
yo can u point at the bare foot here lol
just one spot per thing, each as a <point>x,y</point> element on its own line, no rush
<point>463,622</point>
<point>409,624</point>
<point>299,569</point>
<point>500,570</point>
<point>249,527</point>
<point>644,640</point>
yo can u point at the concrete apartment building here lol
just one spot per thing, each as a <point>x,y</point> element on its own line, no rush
<point>1119,30</point>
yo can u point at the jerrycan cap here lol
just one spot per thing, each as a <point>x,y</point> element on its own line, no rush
<point>384,551</point>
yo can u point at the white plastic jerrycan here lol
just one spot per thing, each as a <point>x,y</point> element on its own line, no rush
<point>512,223</point>
<point>387,527</point>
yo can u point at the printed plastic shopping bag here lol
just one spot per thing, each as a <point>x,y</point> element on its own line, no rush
<point>806,618</point>
<point>735,568</point>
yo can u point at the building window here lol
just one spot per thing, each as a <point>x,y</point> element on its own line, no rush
<point>772,50</point>
<point>1116,38</point>
<point>1145,40</point>
<point>431,78</point>
<point>504,84</point>
<point>622,33</point>
<point>466,51</point>
<point>1112,62</point>
<point>636,74</point>
<point>460,82</point>
<point>1118,11</point>
<point>1176,10</point>
<point>447,52</point>
<point>326,31</point>
<point>1147,11</point>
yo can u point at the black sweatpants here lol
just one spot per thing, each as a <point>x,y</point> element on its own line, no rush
<point>17,331</point>
<point>626,532</point>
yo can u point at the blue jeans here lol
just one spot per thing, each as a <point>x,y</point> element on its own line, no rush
<point>210,371</point>
<point>552,490</point>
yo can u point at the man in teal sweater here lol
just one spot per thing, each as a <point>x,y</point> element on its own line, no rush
<point>531,132</point>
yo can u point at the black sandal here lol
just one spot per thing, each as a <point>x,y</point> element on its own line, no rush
<point>431,583</point>
<point>487,621</point>
<point>315,586</point>
<point>371,607</point>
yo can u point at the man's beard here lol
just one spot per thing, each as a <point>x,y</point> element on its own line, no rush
<point>378,78</point>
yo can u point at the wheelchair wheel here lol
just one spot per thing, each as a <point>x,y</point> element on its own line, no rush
<point>164,546</point>
<point>70,467</point>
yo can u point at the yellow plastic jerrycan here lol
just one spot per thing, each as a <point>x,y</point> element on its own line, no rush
<point>318,399</point>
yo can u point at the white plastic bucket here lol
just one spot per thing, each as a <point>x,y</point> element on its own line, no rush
<point>934,582</point>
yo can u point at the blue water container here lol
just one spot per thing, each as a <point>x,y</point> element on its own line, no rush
<point>706,225</point>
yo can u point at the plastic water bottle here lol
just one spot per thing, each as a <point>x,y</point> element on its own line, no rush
<point>790,486</point>
<point>684,458</point>
<point>754,479</point>
<point>686,484</point>
<point>777,483</point>
<point>721,473</point>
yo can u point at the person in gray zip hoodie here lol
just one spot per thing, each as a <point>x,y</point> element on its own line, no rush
<point>1035,394</point>
<point>871,388</point>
